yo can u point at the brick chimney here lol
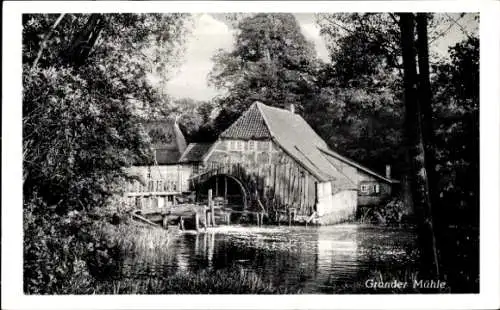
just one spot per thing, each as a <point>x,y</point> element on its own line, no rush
<point>388,171</point>
<point>292,108</point>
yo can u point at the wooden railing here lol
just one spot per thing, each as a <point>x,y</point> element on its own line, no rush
<point>154,186</point>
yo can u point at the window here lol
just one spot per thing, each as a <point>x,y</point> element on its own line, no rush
<point>376,188</point>
<point>196,168</point>
<point>241,145</point>
<point>251,145</point>
<point>264,146</point>
<point>364,188</point>
<point>235,145</point>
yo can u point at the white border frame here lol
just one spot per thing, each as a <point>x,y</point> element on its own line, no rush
<point>12,231</point>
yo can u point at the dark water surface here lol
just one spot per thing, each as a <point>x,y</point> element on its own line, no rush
<point>312,259</point>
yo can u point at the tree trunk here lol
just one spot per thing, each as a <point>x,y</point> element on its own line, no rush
<point>45,40</point>
<point>415,145</point>
<point>84,42</point>
<point>425,101</point>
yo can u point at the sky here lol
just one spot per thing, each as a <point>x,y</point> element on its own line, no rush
<point>210,33</point>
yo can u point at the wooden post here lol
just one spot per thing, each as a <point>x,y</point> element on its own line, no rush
<point>225,188</point>
<point>205,208</point>
<point>181,223</point>
<point>196,221</point>
<point>289,217</point>
<point>211,205</point>
<point>228,218</point>
<point>306,188</point>
<point>165,222</point>
<point>290,182</point>
<point>216,186</point>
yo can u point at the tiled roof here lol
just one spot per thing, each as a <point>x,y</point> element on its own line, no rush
<point>250,125</point>
<point>300,141</point>
<point>195,152</point>
<point>346,160</point>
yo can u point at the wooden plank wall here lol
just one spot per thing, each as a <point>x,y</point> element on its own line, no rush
<point>279,186</point>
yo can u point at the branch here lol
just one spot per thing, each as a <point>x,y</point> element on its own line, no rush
<point>455,21</point>
<point>394,19</point>
<point>46,39</point>
<point>447,29</point>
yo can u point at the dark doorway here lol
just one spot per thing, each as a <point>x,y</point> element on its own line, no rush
<point>225,187</point>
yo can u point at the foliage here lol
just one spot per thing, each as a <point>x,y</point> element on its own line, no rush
<point>391,212</point>
<point>364,86</point>
<point>225,281</point>
<point>196,119</point>
<point>58,250</point>
<point>456,94</point>
<point>82,102</point>
<point>271,62</point>
<point>363,83</point>
<point>74,142</point>
<point>86,84</point>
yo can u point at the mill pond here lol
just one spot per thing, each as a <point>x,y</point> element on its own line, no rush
<point>310,260</point>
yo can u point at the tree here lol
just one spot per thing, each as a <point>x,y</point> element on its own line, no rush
<point>85,90</point>
<point>455,85</point>
<point>415,130</point>
<point>366,56</point>
<point>195,119</point>
<point>364,85</point>
<point>365,78</point>
<point>271,62</point>
<point>85,80</point>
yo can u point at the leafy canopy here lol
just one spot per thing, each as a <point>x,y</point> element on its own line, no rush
<point>86,86</point>
<point>271,62</point>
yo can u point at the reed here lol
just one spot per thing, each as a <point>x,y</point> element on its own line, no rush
<point>134,239</point>
<point>224,281</point>
<point>151,246</point>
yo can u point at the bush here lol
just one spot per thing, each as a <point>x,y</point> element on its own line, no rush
<point>63,252</point>
<point>394,211</point>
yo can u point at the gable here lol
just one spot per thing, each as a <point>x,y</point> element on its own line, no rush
<point>249,126</point>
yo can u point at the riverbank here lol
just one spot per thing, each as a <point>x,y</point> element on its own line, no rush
<point>126,257</point>
<point>153,246</point>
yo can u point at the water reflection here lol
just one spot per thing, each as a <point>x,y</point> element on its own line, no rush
<point>315,260</point>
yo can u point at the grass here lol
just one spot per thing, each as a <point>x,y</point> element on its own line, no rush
<point>136,238</point>
<point>225,281</point>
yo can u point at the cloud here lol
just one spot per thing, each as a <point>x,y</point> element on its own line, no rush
<point>208,36</point>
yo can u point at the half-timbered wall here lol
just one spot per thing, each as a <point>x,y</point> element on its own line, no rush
<point>280,182</point>
<point>160,178</point>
